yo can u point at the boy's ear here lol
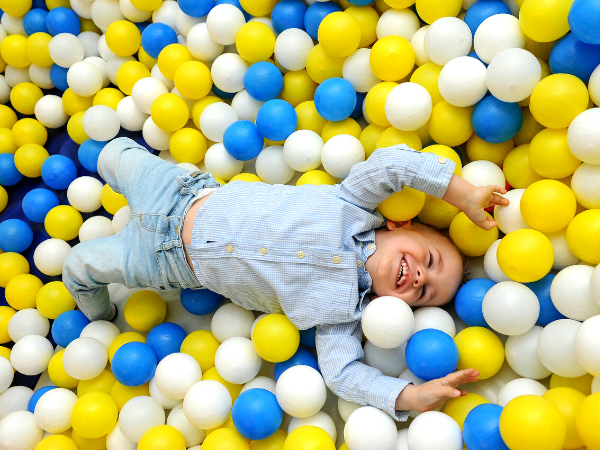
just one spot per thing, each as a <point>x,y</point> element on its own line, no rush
<point>396,224</point>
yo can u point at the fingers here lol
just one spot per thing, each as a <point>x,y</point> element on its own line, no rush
<point>499,200</point>
<point>460,377</point>
<point>497,188</point>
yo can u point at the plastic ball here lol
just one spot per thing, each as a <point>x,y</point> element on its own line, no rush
<point>134,363</point>
<point>139,415</point>
<point>585,346</point>
<point>15,235</point>
<point>162,436</point>
<point>388,322</point>
<point>65,50</point>
<point>101,123</point>
<point>568,401</point>
<point>49,256</point>
<point>63,222</point>
<point>519,387</point>
<point>559,205</point>
<point>101,330</point>
<point>431,354</point>
<point>123,38</point>
<point>27,322</point>
<point>462,81</point>
<point>11,265</point>
<point>275,338</point>
<point>450,125</point>
<point>481,349</point>
<point>121,394</point>
<point>237,361</point>
<point>84,194</point>
<point>256,414</point>
<point>491,266</point>
<point>19,430</point>
<point>372,426</point>
<point>413,111</point>
<point>583,185</point>
<point>95,227</point>
<point>449,437</point>
<point>165,338</point>
<point>459,408</point>
<point>481,428</point>
<point>561,61</point>
<point>24,96</point>
<point>447,38</point>
<point>242,140</point>
<point>549,154</point>
<point>496,121</point>
<point>207,404</point>
<point>402,205</point>
<point>470,239</point>
<point>392,58</point>
<point>53,412</point>
<point>221,164</point>
<point>33,400</point>
<point>497,33</point>
<point>301,391</point>
<point>522,355</point>
<point>469,299</point>
<point>200,302</point>
<point>191,434</point>
<point>583,141</point>
<point>9,175</point>
<point>339,34</point>
<point>57,373</point>
<point>68,327</point>
<point>156,37</point>
<point>509,217</point>
<point>271,166</point>
<point>176,373</point>
<point>144,310</point>
<point>102,383</point>
<point>145,91</point>
<point>85,358</point>
<point>525,255</point>
<point>571,293</point>
<point>544,21</point>
<point>513,74</point>
<point>581,235</point>
<point>548,312</point>
<point>276,120</point>
<point>555,348</point>
<point>49,112</point>
<point>255,42</point>
<point>340,153</point>
<point>335,99</point>
<point>215,119</point>
<point>302,150</point>
<point>302,357</point>
<point>31,354</point>
<point>94,415</point>
<point>62,20</point>
<point>130,116</point>
<point>13,51</point>
<point>170,112</point>
<point>510,308</point>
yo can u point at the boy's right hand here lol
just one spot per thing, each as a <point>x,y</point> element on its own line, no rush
<point>434,393</point>
<point>483,197</point>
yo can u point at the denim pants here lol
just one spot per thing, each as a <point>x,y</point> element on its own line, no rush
<point>148,251</point>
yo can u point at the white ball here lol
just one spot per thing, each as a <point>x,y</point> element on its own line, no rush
<point>512,75</point>
<point>104,331</point>
<point>65,49</point>
<point>447,38</point>
<point>27,322</point>
<point>390,361</point>
<point>491,266</point>
<point>114,64</point>
<point>594,86</point>
<point>85,358</point>
<point>436,318</point>
<point>402,442</point>
<point>138,415</point>
<point>320,420</point>
<point>357,70</point>
<point>519,387</point>
<point>53,410</point>
<point>19,430</point>
<point>13,399</point>
<point>130,116</point>
<point>176,373</point>
<point>555,348</point>
<point>215,119</point>
<point>245,106</point>
<point>201,45</point>
<point>145,91</point>
<point>563,256</point>
<point>105,12</point>
<point>571,293</point>
<point>4,90</point>
<point>231,320</point>
<point>482,173</point>
<point>223,23</point>
<point>346,408</point>
<point>40,76</point>
<point>447,436</point>
<point>521,354</point>
<point>84,78</point>
<point>7,374</point>
<point>191,434</point>
<point>116,440</point>
<point>583,136</point>
<point>265,383</point>
<point>207,404</point>
<point>408,106</point>
<point>49,111</point>
<point>13,24</point>
<point>84,194</point>
<point>509,217</point>
<point>121,218</point>
<point>497,33</point>
<point>587,346</point>
<point>266,21</point>
<point>166,13</point>
<point>271,166</point>
<point>510,308</point>
<point>89,40</point>
<point>132,13</point>
<point>100,64</point>
<point>103,50</point>
<point>185,23</point>
<point>398,22</point>
<point>154,136</point>
<point>595,385</point>
<point>490,388</point>
<point>586,185</point>
<point>340,153</point>
<point>418,45</point>
<point>101,123</point>
<point>388,322</point>
<point>31,354</point>
<point>228,70</point>
<point>156,73</point>
<point>221,164</point>
<point>50,255</point>
<point>462,81</point>
<point>292,47</point>
<point>237,361</point>
<point>302,150</point>
<point>166,402</point>
<point>14,75</point>
<point>301,391</point>
<point>595,284</point>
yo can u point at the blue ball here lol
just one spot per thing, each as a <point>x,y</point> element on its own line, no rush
<point>431,354</point>
<point>481,10</point>
<point>62,20</point>
<point>548,312</point>
<point>360,2</point>
<point>37,203</point>
<point>335,99</point>
<point>237,4</point>
<point>36,396</point>
<point>41,4</point>
<point>35,21</point>
<point>263,81</point>
<point>15,235</point>
<point>302,357</point>
<point>141,26</point>
<point>165,338</point>
<point>242,140</point>
<point>9,175</point>
<point>200,302</point>
<point>469,299</point>
<point>58,76</point>
<point>314,16</point>
<point>58,171</point>
<point>570,55</point>
<point>584,20</point>
<point>196,8</point>
<point>496,121</point>
<point>68,326</point>
<point>276,120</point>
<point>134,364</point>
<point>157,36</point>
<point>308,337</point>
<point>88,154</point>
<point>288,14</point>
<point>222,94</point>
<point>256,414</point>
<point>360,99</point>
<point>481,430</point>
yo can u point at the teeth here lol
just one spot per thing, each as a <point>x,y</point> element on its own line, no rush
<point>401,275</point>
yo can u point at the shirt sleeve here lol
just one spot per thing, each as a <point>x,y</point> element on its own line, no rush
<point>340,354</point>
<point>390,169</point>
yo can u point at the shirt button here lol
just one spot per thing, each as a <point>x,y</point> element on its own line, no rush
<point>300,254</point>
<point>362,244</point>
<point>229,248</point>
<point>442,160</point>
<point>358,263</point>
<point>371,246</point>
<point>263,251</point>
<point>336,259</point>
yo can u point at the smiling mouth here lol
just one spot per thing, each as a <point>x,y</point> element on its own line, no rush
<point>402,273</point>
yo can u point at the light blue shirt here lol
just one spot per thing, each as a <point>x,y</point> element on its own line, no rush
<point>301,251</point>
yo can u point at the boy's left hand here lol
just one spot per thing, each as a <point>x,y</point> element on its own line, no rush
<point>483,197</point>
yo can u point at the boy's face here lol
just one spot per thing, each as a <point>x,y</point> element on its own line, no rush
<point>415,264</point>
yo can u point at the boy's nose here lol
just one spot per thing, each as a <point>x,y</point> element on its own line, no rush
<point>420,277</point>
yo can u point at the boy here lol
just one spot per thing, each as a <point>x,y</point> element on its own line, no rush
<point>310,252</point>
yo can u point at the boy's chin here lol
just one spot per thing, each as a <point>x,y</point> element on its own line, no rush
<point>375,295</point>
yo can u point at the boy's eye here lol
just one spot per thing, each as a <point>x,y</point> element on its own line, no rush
<point>423,292</point>
<point>430,260</point>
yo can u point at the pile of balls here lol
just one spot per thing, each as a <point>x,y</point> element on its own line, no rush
<point>297,92</point>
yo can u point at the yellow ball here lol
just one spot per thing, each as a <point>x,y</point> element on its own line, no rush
<point>53,299</point>
<point>582,384</point>
<point>94,415</point>
<point>315,177</point>
<point>392,58</point>
<point>22,290</point>
<point>144,310</point>
<point>446,152</point>
<point>393,136</point>
<point>146,59</point>
<point>528,130</point>
<point>403,205</point>
<point>5,351</point>
<point>89,25</point>
<point>7,144</point>
<point>75,128</point>
<point>24,96</point>
<point>545,73</point>
<point>11,265</point>
<point>234,389</point>
<point>199,107</point>
<point>102,383</point>
<point>540,50</point>
<point>121,394</point>
<point>275,338</point>
<point>549,154</point>
<point>38,51</point>
<point>111,200</point>
<point>558,99</point>
<point>51,4</point>
<point>478,149</point>
<point>339,34</point>
<point>298,87</point>
<point>73,103</point>
<point>122,339</point>
<point>543,20</point>
<point>29,131</point>
<point>130,73</point>
<point>321,66</point>
<point>29,159</point>
<point>309,118</point>
<point>5,315</point>
<point>583,236</point>
<point>369,137</point>
<point>146,5</point>
<point>162,437</point>
<point>479,349</point>
<point>367,19</point>
<point>110,97</point>
<point>171,57</point>
<point>247,177</point>
<point>517,170</point>
<point>202,345</point>
<point>548,206</point>
<point>586,421</point>
<point>375,103</point>
<point>170,112</point>
<point>123,38</point>
<point>273,442</point>
<point>13,50</point>
<point>437,212</point>
<point>346,126</point>
<point>16,8</point>
<point>56,442</point>
<point>3,198</point>
<point>427,76</point>
<point>188,145</point>
<point>568,402</point>
<point>308,437</point>
<point>8,117</point>
<point>525,255</point>
<point>470,239</point>
<point>450,125</point>
<point>88,444</point>
<point>57,373</point>
<point>193,80</point>
<point>224,438</point>
<point>63,222</point>
<point>458,408</point>
<point>255,42</point>
<point>398,4</point>
<point>431,10</point>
